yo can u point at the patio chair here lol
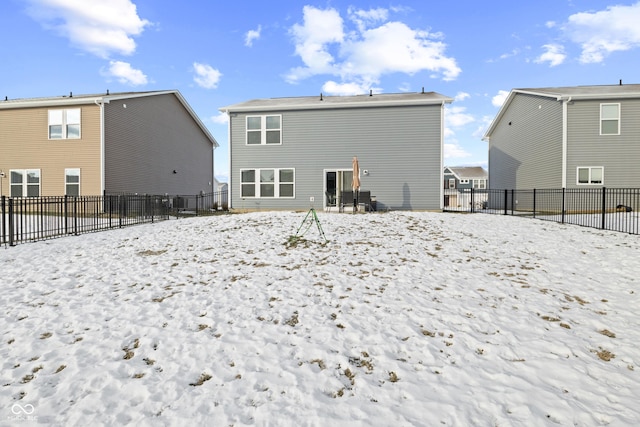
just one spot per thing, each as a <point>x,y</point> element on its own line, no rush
<point>331,201</point>
<point>346,199</point>
<point>364,198</point>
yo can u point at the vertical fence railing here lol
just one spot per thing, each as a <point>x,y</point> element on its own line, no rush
<point>615,209</point>
<point>39,218</point>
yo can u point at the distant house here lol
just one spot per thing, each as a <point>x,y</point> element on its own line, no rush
<point>137,142</point>
<point>457,184</point>
<point>293,153</point>
<point>566,137</point>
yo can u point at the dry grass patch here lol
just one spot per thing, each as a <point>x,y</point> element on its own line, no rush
<point>607,333</point>
<point>203,378</point>
<point>605,355</point>
<point>149,252</point>
<point>293,320</point>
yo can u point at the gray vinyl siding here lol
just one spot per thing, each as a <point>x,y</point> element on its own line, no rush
<point>618,154</point>
<point>149,139</point>
<point>399,146</point>
<point>528,152</point>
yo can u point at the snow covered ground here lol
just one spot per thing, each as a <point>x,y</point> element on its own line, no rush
<point>402,319</point>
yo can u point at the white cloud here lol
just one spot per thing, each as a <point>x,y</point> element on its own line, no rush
<point>252,35</point>
<point>125,74</point>
<point>554,55</point>
<point>333,88</point>
<point>366,53</point>
<point>514,52</point>
<point>455,151</point>
<point>457,117</point>
<point>606,31</point>
<point>206,76</point>
<point>221,118</point>
<point>461,96</point>
<point>101,28</point>
<point>320,28</point>
<point>499,99</point>
<point>366,18</point>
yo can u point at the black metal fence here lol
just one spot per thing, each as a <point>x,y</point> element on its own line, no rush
<point>27,219</point>
<point>615,209</point>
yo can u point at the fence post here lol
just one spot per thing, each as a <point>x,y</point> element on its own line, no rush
<point>473,207</point>
<point>151,202</point>
<point>3,228</point>
<point>563,205</point>
<point>505,200</point>
<point>120,210</point>
<point>513,198</point>
<point>65,210</point>
<point>604,207</point>
<point>75,215</point>
<point>11,223</point>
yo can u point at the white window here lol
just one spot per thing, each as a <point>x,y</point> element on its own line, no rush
<point>72,182</point>
<point>480,184</point>
<point>452,183</point>
<point>464,181</point>
<point>64,124</point>
<point>25,183</point>
<point>262,130</point>
<point>593,175</point>
<point>609,119</point>
<point>267,183</point>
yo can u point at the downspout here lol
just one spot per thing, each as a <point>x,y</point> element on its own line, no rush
<point>102,177</point>
<point>565,137</point>
<point>230,151</point>
<point>441,174</point>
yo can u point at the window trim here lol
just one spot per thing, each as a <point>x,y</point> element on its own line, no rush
<point>263,129</point>
<point>64,124</point>
<point>589,168</point>
<point>452,183</point>
<point>276,183</point>
<point>610,119</point>
<point>481,184</point>
<point>24,185</point>
<point>66,183</point>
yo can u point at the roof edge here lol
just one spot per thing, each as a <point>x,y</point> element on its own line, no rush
<point>320,103</point>
<point>104,98</point>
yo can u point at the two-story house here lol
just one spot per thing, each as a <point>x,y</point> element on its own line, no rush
<point>566,137</point>
<point>459,180</point>
<point>138,142</point>
<point>293,153</point>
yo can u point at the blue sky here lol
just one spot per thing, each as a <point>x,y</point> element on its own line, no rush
<point>218,53</point>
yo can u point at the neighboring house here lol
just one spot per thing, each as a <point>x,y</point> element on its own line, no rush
<point>566,137</point>
<point>457,184</point>
<point>294,153</point>
<point>138,142</point>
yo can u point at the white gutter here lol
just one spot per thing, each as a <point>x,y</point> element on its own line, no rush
<point>441,174</point>
<point>230,178</point>
<point>102,177</point>
<point>48,102</point>
<point>565,139</point>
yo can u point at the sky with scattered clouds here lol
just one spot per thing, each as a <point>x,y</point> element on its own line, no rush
<point>221,53</point>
